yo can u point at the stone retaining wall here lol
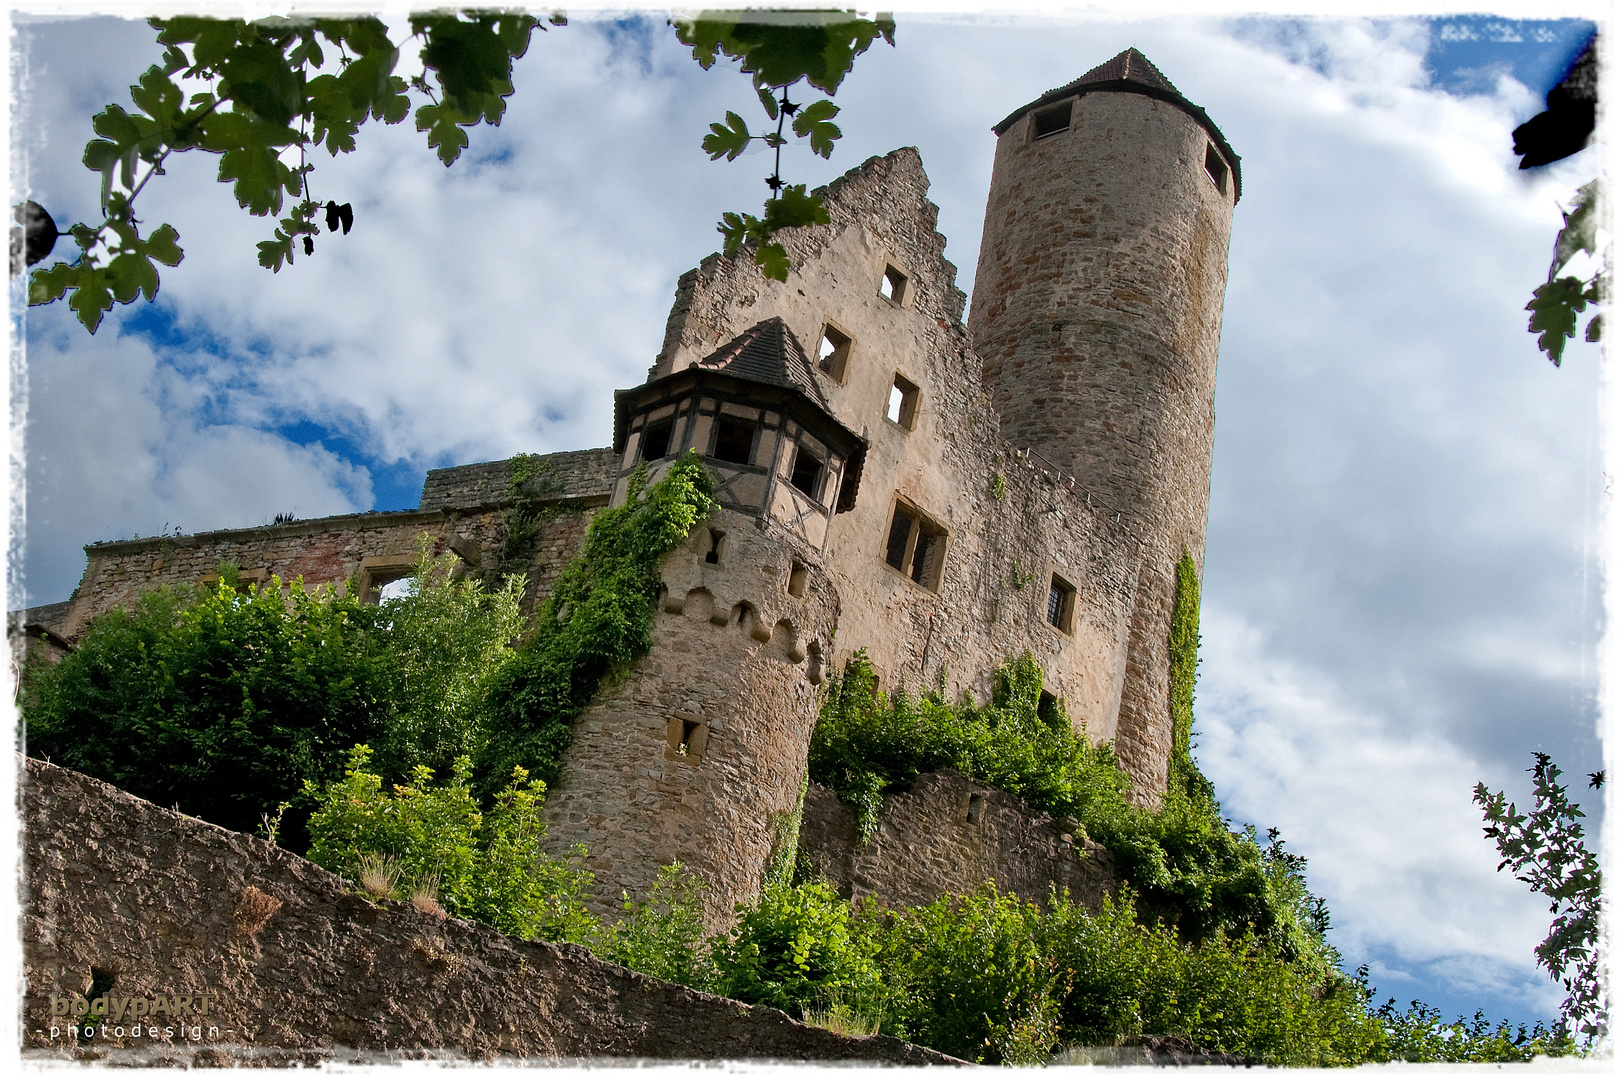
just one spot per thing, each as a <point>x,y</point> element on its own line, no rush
<point>143,902</point>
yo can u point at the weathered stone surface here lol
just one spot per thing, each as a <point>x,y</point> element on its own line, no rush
<point>569,474</point>
<point>949,834</point>
<point>153,901</point>
<point>1097,311</point>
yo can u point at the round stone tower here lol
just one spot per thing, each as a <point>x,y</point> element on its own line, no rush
<point>1097,312</point>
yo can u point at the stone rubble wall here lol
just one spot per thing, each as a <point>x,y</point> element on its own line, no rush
<point>949,834</point>
<point>737,655</point>
<point>162,904</point>
<point>569,474</point>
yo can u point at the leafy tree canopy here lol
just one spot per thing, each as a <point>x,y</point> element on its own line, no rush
<point>265,94</point>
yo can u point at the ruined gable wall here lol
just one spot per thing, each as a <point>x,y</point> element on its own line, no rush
<point>1001,552</point>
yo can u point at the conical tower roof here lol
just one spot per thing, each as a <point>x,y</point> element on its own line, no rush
<point>767,352</point>
<point>1132,73</point>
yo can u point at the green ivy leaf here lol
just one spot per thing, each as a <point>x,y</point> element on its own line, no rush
<point>48,286</point>
<point>164,247</point>
<point>730,140</point>
<point>814,120</point>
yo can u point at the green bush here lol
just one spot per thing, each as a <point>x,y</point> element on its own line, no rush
<point>662,935</point>
<point>797,947</point>
<point>221,702</point>
<point>597,618</point>
<point>1190,868</point>
<point>447,639</point>
<point>491,869</point>
<point>970,976</point>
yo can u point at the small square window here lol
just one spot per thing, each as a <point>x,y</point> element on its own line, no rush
<point>807,472</point>
<point>902,404</point>
<point>1215,166</point>
<point>655,443</point>
<point>916,546</point>
<point>834,352</point>
<point>1060,605</point>
<point>734,441</point>
<point>1054,120</point>
<point>892,287</point>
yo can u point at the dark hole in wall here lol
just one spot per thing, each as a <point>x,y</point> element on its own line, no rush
<point>734,442</point>
<point>655,444</point>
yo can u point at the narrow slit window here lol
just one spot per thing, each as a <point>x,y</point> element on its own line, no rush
<point>834,352</point>
<point>892,287</point>
<point>1215,166</point>
<point>807,472</point>
<point>712,556</point>
<point>655,443</point>
<point>797,577</point>
<point>902,405</point>
<point>1060,605</point>
<point>1053,121</point>
<point>734,441</point>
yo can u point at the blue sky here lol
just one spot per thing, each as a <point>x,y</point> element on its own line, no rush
<point>1403,576</point>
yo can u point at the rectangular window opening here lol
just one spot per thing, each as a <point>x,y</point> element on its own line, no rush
<point>734,441</point>
<point>892,287</point>
<point>807,472</point>
<point>797,577</point>
<point>834,352</point>
<point>1060,605</point>
<point>712,557</point>
<point>1215,166</point>
<point>1054,120</point>
<point>902,406</point>
<point>916,546</point>
<point>655,443</point>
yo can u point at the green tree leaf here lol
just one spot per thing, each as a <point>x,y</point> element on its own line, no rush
<point>814,121</point>
<point>1553,310</point>
<point>782,47</point>
<point>730,140</point>
<point>792,208</point>
<point>773,260</point>
<point>444,135</point>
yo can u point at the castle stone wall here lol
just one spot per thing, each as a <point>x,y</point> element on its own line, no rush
<point>733,673</point>
<point>1101,279</point>
<point>1000,553</point>
<point>949,834</point>
<point>160,904</point>
<point>570,474</point>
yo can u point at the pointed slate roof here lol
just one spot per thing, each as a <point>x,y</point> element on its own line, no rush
<point>767,352</point>
<point>1132,73</point>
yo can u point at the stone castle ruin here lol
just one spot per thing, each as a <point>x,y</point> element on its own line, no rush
<point>944,495</point>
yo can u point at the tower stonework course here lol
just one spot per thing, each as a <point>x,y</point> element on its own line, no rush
<point>942,496</point>
<point>1097,313</point>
